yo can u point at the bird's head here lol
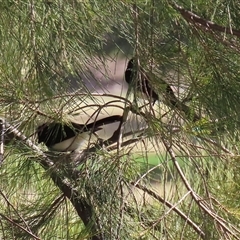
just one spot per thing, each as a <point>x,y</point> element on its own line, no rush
<point>139,80</point>
<point>130,71</point>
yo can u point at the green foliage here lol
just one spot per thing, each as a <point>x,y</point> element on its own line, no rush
<point>178,167</point>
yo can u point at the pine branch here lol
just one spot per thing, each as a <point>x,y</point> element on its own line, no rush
<point>222,223</point>
<point>172,207</point>
<point>198,21</point>
<point>81,206</point>
<point>19,226</point>
<point>60,176</point>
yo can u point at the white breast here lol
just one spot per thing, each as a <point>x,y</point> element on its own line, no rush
<point>107,130</point>
<point>83,140</point>
<point>71,144</point>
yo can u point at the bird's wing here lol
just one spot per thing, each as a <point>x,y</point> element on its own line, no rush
<point>95,108</point>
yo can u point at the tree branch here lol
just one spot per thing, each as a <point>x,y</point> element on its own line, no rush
<point>197,20</point>
<point>19,226</point>
<point>222,223</point>
<point>81,206</point>
<point>172,207</point>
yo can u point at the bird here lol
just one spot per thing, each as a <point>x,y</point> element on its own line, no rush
<point>143,83</point>
<point>137,77</point>
<point>90,120</point>
<point>64,137</point>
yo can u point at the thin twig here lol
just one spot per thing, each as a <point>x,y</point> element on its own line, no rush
<point>217,145</point>
<point>195,19</point>
<point>51,210</point>
<point>172,207</point>
<point>201,203</point>
<point>19,226</point>
<point>2,134</point>
<point>15,210</point>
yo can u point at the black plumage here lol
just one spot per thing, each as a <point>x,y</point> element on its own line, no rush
<point>143,83</point>
<point>53,134</point>
<point>136,75</point>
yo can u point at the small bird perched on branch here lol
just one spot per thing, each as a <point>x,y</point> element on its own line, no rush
<point>135,74</point>
<point>143,84</point>
<point>101,118</point>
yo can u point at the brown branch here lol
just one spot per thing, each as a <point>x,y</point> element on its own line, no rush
<point>82,97</point>
<point>19,226</point>
<point>197,20</point>
<point>172,207</point>
<point>26,141</point>
<point>81,206</point>
<point>222,223</point>
<point>15,210</point>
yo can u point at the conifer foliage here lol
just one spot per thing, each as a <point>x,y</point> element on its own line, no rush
<point>176,176</point>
